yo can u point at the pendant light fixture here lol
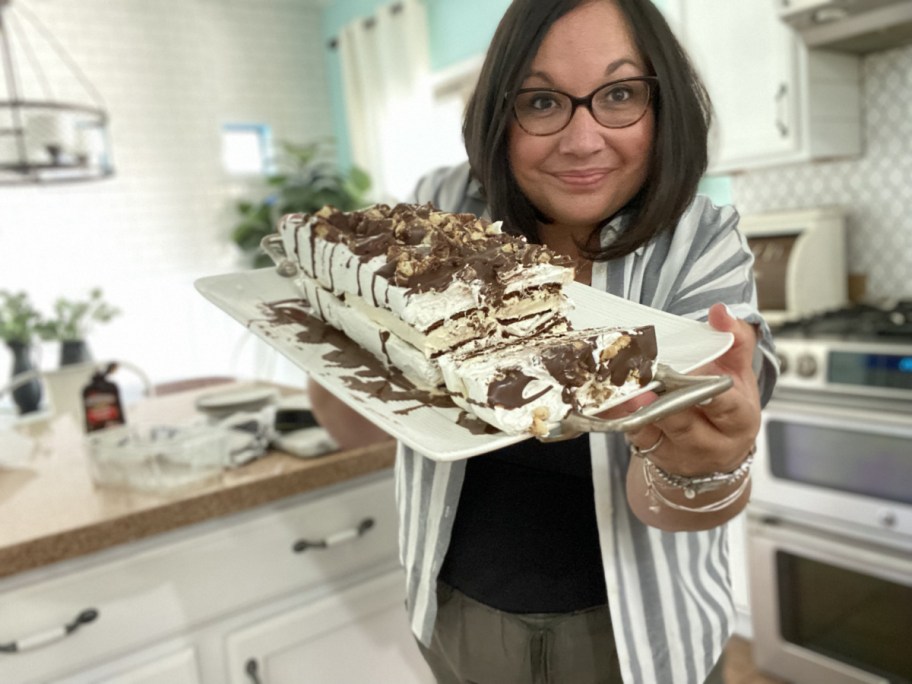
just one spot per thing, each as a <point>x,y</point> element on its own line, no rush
<point>53,126</point>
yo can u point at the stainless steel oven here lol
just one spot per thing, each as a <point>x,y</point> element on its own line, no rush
<point>847,470</point>
<point>830,519</point>
<point>828,609</point>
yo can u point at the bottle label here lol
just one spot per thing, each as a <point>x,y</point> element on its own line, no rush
<point>102,410</point>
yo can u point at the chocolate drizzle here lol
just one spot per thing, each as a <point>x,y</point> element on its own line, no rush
<point>572,363</point>
<point>508,387</point>
<point>577,361</point>
<point>369,376</point>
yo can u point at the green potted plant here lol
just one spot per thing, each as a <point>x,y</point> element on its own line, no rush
<point>72,321</point>
<point>20,322</point>
<point>306,182</point>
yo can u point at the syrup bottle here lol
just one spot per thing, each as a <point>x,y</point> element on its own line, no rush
<point>101,401</point>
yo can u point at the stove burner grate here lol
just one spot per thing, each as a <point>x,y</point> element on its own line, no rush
<point>859,321</point>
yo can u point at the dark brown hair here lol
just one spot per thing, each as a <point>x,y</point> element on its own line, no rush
<point>682,115</point>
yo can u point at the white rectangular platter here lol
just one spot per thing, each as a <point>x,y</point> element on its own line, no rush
<point>440,432</point>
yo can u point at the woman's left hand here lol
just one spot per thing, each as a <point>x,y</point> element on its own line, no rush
<point>713,437</point>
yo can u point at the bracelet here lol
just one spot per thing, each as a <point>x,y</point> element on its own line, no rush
<point>701,483</point>
<point>696,485</point>
<point>656,497</point>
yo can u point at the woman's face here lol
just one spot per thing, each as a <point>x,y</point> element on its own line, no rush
<point>586,172</point>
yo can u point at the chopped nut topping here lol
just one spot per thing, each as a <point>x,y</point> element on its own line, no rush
<point>539,426</point>
<point>438,244</point>
<point>609,353</point>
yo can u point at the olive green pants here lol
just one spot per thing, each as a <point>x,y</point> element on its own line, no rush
<point>475,644</point>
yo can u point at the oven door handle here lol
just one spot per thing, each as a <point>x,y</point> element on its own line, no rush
<point>885,562</point>
<point>677,392</point>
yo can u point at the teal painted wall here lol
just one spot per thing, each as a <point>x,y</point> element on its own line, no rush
<point>458,30</point>
<point>717,188</point>
<point>461,29</point>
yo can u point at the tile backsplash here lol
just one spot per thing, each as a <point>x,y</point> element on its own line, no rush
<point>875,189</point>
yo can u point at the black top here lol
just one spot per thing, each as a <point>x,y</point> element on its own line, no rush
<point>525,538</point>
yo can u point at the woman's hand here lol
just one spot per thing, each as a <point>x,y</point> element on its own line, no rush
<point>714,437</point>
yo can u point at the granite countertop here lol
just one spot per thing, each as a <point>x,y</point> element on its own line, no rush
<point>51,510</point>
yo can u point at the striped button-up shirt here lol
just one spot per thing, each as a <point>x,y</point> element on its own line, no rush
<point>669,593</point>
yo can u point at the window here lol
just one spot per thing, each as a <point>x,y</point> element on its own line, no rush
<point>452,89</point>
<point>246,149</point>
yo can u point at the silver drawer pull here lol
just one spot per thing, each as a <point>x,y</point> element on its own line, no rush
<point>51,635</point>
<point>333,539</point>
<point>252,669</point>
<point>782,110</point>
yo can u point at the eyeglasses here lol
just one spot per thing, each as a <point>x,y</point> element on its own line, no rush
<point>618,104</point>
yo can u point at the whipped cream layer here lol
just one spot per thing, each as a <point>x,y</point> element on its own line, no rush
<point>530,385</point>
<point>392,351</point>
<point>449,278</point>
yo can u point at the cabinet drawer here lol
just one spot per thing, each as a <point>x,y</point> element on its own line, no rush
<point>196,575</point>
<point>359,634</point>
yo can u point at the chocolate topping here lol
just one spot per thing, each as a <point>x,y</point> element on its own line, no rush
<point>636,357</point>
<point>573,363</point>
<point>570,364</point>
<point>426,249</point>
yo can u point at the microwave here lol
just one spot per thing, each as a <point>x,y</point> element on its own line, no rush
<point>799,261</point>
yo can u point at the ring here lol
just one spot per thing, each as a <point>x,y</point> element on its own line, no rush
<point>648,450</point>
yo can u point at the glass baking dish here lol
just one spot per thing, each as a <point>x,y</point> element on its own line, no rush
<point>159,459</point>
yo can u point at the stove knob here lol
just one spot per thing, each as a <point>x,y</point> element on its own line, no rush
<point>807,366</point>
<point>783,363</point>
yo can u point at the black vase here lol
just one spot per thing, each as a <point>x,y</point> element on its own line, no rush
<point>27,395</point>
<point>74,351</point>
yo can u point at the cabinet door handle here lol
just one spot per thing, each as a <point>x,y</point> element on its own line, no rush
<point>252,668</point>
<point>781,106</point>
<point>49,636</point>
<point>333,539</point>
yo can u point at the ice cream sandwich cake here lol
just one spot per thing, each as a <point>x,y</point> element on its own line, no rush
<point>456,304</point>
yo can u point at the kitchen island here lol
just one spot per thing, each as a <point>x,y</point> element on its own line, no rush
<point>51,510</point>
<point>278,567</point>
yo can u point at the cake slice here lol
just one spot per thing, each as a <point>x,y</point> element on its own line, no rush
<point>530,385</point>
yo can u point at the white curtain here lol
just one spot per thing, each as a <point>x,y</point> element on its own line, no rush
<point>388,96</point>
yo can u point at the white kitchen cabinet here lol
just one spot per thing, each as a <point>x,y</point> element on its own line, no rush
<point>775,102</point>
<point>359,634</point>
<point>148,667</point>
<point>159,600</point>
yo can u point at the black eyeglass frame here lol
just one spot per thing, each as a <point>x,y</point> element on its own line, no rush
<point>652,83</point>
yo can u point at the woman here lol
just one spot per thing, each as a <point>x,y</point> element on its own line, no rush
<point>585,561</point>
